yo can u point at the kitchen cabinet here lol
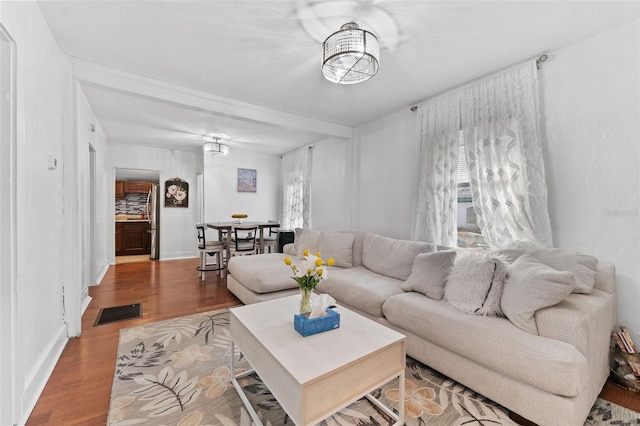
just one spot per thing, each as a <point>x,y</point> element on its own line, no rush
<point>118,238</point>
<point>134,187</point>
<point>119,189</point>
<point>132,238</point>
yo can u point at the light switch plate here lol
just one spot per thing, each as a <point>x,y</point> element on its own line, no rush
<point>52,162</point>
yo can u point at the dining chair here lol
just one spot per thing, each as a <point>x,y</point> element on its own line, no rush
<point>243,240</point>
<point>270,241</point>
<point>209,248</point>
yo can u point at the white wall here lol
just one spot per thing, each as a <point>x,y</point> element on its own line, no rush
<point>44,96</point>
<point>591,95</point>
<point>221,196</point>
<point>386,150</point>
<point>330,184</point>
<point>177,224</point>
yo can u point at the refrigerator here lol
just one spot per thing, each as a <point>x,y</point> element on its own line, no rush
<point>153,216</point>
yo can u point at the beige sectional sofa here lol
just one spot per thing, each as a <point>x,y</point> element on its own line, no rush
<point>545,358</point>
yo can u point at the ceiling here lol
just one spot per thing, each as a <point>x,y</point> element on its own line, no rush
<point>164,73</point>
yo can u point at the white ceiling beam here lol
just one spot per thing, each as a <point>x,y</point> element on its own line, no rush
<point>101,75</point>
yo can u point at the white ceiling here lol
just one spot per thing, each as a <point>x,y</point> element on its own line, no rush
<point>164,73</point>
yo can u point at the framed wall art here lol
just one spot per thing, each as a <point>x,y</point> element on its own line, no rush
<point>176,193</point>
<point>247,180</point>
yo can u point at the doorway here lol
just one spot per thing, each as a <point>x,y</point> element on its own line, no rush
<point>137,228</point>
<point>92,216</point>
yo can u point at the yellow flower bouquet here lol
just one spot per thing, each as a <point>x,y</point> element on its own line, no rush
<point>308,274</point>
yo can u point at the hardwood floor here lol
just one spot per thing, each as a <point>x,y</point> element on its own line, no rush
<point>79,388</point>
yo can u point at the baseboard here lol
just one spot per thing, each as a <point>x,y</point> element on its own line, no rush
<point>37,379</point>
<point>180,255</point>
<point>101,271</point>
<point>86,299</point>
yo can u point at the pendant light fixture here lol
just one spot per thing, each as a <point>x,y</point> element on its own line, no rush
<point>214,146</point>
<point>351,55</point>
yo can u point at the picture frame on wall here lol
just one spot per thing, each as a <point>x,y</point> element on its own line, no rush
<point>247,180</point>
<point>176,193</point>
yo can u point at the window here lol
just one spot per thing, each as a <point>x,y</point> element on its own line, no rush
<point>296,184</point>
<point>469,233</point>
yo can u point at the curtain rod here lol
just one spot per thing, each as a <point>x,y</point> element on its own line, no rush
<point>539,60</point>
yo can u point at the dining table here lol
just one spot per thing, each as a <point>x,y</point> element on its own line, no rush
<point>227,228</point>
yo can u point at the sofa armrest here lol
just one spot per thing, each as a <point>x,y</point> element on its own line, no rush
<point>606,277</point>
<point>288,249</point>
<point>582,320</point>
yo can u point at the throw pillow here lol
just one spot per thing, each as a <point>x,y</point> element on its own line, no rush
<point>429,273</point>
<point>581,265</point>
<point>530,286</point>
<point>491,305</point>
<point>338,245</point>
<point>475,283</point>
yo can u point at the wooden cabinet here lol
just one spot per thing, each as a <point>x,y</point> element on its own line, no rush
<point>118,238</point>
<point>132,238</point>
<point>119,189</point>
<point>134,187</point>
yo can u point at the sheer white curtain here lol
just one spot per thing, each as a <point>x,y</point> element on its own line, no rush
<point>295,175</point>
<point>435,209</point>
<point>501,131</point>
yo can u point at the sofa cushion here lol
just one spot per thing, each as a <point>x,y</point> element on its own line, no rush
<point>581,265</point>
<point>359,288</point>
<point>309,240</point>
<point>339,246</point>
<point>263,273</point>
<point>551,365</point>
<point>532,285</point>
<point>475,283</point>
<point>429,273</point>
<point>392,257</point>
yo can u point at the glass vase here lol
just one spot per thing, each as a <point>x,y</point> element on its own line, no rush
<point>305,300</point>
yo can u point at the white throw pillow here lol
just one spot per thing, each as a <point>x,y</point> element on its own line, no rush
<point>475,283</point>
<point>429,273</point>
<point>581,265</point>
<point>532,285</point>
<point>339,246</point>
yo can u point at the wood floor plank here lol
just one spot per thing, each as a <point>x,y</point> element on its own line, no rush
<point>79,389</point>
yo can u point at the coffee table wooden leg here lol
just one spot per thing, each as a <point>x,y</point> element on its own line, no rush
<point>236,385</point>
<point>401,397</point>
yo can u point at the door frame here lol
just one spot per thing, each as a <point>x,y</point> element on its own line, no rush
<point>8,228</point>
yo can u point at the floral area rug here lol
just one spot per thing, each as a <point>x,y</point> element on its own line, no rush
<point>176,372</point>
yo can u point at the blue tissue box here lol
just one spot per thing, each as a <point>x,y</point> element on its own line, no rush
<point>307,327</point>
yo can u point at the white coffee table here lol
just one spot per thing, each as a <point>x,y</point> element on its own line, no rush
<point>314,377</point>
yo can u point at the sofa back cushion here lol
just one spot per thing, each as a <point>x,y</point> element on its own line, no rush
<point>337,245</point>
<point>391,257</point>
<point>308,240</point>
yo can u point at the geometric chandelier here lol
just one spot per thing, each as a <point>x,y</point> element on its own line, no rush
<point>351,55</point>
<point>214,147</point>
